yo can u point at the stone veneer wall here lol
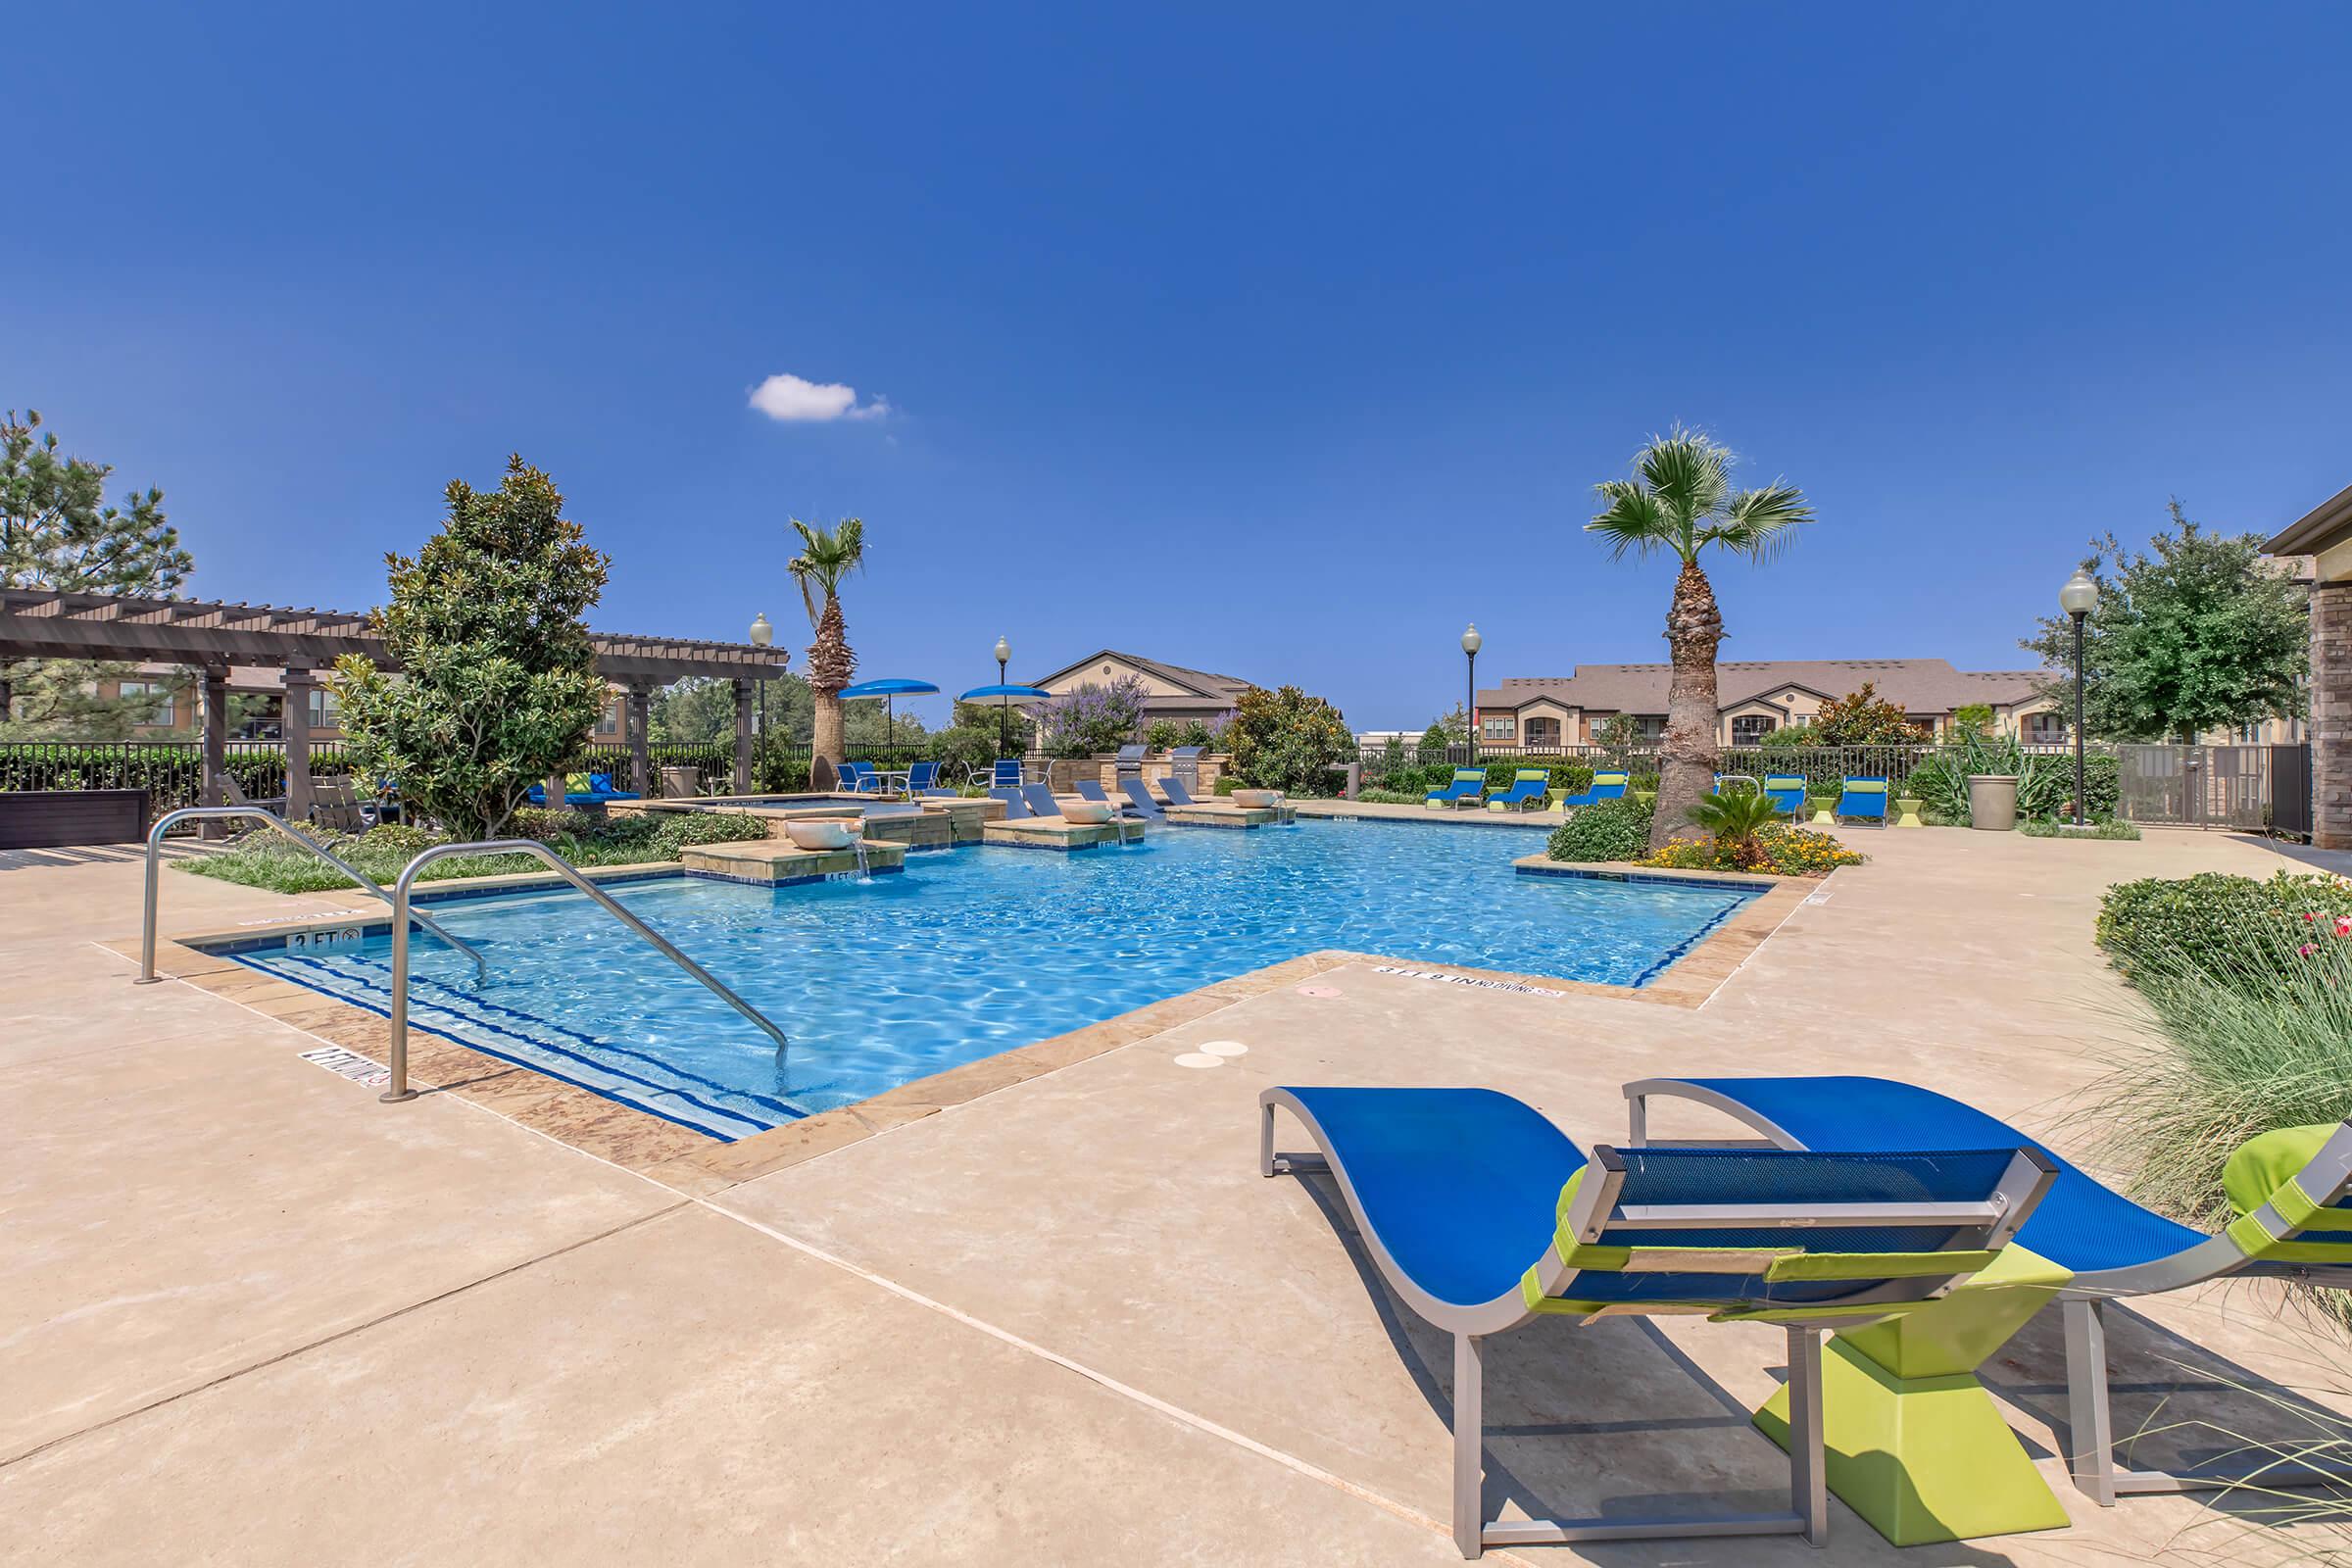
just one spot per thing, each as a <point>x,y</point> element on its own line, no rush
<point>2332,716</point>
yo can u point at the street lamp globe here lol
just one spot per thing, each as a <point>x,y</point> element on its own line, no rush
<point>764,631</point>
<point>1004,650</point>
<point>1472,642</point>
<point>2080,595</point>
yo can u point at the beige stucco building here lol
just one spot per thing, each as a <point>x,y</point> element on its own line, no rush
<point>1172,692</point>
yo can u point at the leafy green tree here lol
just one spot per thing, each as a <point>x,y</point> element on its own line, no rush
<point>1974,717</point>
<point>1618,732</point>
<point>2198,633</point>
<point>57,531</point>
<point>1681,500</point>
<point>1432,742</point>
<point>1286,740</point>
<point>1863,718</point>
<point>694,712</point>
<point>827,558</point>
<point>497,682</point>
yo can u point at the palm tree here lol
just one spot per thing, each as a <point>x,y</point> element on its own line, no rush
<point>827,555</point>
<point>1680,499</point>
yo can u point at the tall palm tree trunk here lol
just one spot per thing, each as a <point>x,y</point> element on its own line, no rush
<point>1694,631</point>
<point>831,663</point>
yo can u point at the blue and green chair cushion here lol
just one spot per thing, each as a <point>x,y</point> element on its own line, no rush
<point>1786,792</point>
<point>1605,786</point>
<point>1469,784</point>
<point>1864,798</point>
<point>1530,787</point>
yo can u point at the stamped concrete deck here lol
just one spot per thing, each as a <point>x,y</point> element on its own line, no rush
<point>254,1316</point>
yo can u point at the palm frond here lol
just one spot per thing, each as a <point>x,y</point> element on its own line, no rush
<point>1757,521</point>
<point>1630,518</point>
<point>1689,472</point>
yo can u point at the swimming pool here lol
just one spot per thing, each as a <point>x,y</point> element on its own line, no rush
<point>975,951</point>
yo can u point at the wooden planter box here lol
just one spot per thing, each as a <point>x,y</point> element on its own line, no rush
<point>52,819</point>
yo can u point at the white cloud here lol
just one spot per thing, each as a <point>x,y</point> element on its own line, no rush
<point>794,400</point>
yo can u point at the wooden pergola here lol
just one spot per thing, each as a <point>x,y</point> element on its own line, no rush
<point>210,636</point>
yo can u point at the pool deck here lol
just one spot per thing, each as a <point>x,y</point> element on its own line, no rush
<point>255,1316</point>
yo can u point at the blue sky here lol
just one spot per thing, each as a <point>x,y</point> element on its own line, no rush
<point>1282,345</point>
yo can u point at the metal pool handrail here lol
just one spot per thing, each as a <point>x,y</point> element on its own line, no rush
<point>398,1089</point>
<point>217,814</point>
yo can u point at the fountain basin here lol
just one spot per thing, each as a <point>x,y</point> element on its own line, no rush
<point>826,835</point>
<point>1254,800</point>
<point>1091,814</point>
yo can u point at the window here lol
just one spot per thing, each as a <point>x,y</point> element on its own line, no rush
<point>2047,727</point>
<point>608,722</point>
<point>1750,728</point>
<point>1496,728</point>
<point>325,711</point>
<point>165,713</point>
<point>1542,732</point>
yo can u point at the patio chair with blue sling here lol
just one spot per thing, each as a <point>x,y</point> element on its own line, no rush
<point>1174,788</point>
<point>1039,798</point>
<point>1864,800</point>
<point>1483,1217</point>
<point>922,779</point>
<point>860,778</point>
<point>1786,792</point>
<point>1610,786</point>
<point>1469,784</point>
<point>1531,789</point>
<point>2290,1190</point>
<point>1015,809</point>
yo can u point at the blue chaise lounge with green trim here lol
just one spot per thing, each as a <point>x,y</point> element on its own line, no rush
<point>2291,1190</point>
<point>1605,786</point>
<point>1483,1217</point>
<point>1862,798</point>
<point>1469,785</point>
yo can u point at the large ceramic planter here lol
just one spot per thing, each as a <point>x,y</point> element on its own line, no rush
<point>1254,800</point>
<point>820,835</point>
<point>1091,814</point>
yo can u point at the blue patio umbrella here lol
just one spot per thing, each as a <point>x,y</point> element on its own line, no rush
<point>889,691</point>
<point>1008,692</point>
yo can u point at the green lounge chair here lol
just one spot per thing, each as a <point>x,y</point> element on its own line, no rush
<point>2293,1190</point>
<point>1529,788</point>
<point>1469,784</point>
<point>1483,1217</point>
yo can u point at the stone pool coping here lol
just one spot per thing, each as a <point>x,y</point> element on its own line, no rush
<point>697,1165</point>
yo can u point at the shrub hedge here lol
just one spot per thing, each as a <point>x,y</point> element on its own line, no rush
<point>2218,923</point>
<point>1609,830</point>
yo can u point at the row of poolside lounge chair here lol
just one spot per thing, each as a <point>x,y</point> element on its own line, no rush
<point>1865,1200</point>
<point>1860,799</point>
<point>1024,801</point>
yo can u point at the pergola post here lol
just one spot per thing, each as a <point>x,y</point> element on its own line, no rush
<point>2331,713</point>
<point>638,720</point>
<point>215,739</point>
<point>744,784</point>
<point>301,681</point>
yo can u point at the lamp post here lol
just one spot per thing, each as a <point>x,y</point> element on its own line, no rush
<point>2077,598</point>
<point>763,632</point>
<point>1005,714</point>
<point>1471,643</point>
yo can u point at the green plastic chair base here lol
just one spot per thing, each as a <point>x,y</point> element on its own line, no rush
<point>1923,1459</point>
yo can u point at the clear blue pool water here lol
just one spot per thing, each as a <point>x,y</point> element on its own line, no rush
<point>975,951</point>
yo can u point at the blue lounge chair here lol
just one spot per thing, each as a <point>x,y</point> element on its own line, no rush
<point>1604,787</point>
<point>1481,1217</point>
<point>1088,790</point>
<point>2110,1246</point>
<point>1469,784</point>
<point>1015,809</point>
<point>599,790</point>
<point>1040,799</point>
<point>1141,797</point>
<point>1864,800</point>
<point>1787,793</point>
<point>1529,788</point>
<point>1174,788</point>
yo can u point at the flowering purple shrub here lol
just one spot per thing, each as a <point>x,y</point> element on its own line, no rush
<point>1092,718</point>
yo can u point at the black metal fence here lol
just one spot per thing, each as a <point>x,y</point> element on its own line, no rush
<point>1822,766</point>
<point>172,772</point>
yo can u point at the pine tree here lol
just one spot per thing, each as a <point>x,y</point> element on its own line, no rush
<point>57,531</point>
